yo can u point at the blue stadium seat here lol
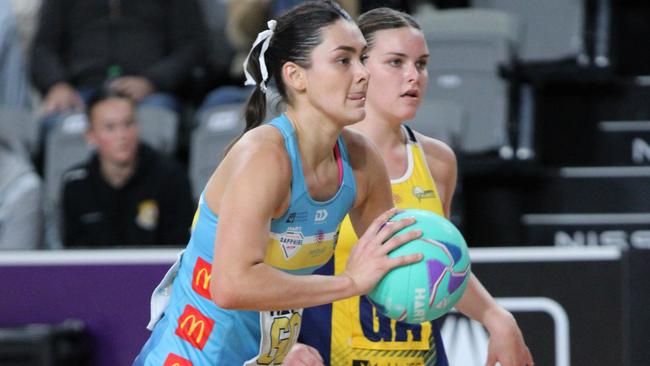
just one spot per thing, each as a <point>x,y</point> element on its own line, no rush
<point>216,129</point>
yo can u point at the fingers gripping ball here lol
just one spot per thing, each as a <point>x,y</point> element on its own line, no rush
<point>428,289</point>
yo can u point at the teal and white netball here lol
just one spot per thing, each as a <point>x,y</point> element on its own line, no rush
<point>426,290</point>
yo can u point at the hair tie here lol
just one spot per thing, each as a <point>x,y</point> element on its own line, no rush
<point>264,36</point>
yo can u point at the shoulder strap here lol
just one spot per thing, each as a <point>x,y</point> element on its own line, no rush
<point>410,133</point>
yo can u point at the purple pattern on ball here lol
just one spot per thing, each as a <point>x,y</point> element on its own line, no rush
<point>455,281</point>
<point>436,270</point>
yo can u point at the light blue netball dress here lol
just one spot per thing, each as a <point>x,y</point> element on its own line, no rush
<point>190,329</point>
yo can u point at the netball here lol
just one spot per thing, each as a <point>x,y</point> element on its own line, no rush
<point>428,289</point>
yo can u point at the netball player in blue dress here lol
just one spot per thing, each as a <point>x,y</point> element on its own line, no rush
<point>270,214</point>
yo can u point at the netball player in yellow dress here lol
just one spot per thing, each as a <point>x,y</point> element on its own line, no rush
<point>423,175</point>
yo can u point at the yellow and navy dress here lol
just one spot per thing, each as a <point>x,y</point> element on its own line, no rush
<point>352,332</point>
<point>190,329</point>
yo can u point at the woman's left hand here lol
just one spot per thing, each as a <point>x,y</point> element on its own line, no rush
<point>506,345</point>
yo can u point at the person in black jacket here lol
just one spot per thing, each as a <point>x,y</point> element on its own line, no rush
<point>126,194</point>
<point>145,49</point>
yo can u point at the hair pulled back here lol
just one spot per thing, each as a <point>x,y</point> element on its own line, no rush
<point>378,19</point>
<point>296,34</point>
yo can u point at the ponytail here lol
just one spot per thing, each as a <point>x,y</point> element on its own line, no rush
<point>255,109</point>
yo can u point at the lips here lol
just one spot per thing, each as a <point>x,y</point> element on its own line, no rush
<point>357,96</point>
<point>411,93</point>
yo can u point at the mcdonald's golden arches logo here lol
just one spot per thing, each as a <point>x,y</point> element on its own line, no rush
<point>194,327</point>
<point>201,278</point>
<point>176,360</point>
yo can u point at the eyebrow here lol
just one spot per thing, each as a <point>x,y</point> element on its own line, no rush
<point>350,49</point>
<point>404,55</point>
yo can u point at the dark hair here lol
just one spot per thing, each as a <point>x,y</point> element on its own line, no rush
<point>105,94</point>
<point>383,18</point>
<point>296,34</point>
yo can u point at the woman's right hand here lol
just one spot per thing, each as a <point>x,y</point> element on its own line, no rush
<point>369,261</point>
<point>303,355</point>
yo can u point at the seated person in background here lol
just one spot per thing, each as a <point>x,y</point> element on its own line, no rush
<point>145,49</point>
<point>26,12</point>
<point>21,215</point>
<point>126,194</point>
<point>14,87</point>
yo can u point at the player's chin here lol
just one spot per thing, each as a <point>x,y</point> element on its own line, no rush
<point>405,114</point>
<point>354,116</point>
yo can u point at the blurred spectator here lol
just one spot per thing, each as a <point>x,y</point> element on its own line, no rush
<point>21,214</point>
<point>14,87</point>
<point>218,50</point>
<point>144,49</point>
<point>26,17</point>
<point>245,19</point>
<point>126,194</point>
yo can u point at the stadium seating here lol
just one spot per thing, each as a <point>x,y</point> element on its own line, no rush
<point>158,128</point>
<point>65,146</point>
<point>466,47</point>
<point>552,29</point>
<point>216,129</point>
<point>440,119</point>
<point>19,125</point>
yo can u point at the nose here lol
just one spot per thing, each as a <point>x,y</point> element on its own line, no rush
<point>124,132</point>
<point>412,72</point>
<point>362,73</point>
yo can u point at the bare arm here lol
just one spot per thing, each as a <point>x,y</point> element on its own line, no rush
<point>506,341</point>
<point>441,161</point>
<point>506,345</point>
<point>241,279</point>
<point>256,191</point>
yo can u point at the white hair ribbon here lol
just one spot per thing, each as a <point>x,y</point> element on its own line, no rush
<point>264,36</point>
